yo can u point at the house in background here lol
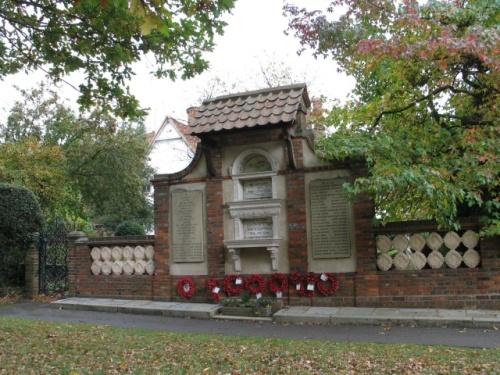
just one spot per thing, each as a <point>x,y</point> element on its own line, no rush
<point>171,148</point>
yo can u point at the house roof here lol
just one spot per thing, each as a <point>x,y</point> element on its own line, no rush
<point>249,109</point>
<point>181,128</point>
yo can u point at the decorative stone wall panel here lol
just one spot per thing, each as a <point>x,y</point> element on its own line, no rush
<point>122,260</point>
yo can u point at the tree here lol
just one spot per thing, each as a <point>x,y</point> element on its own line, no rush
<point>424,113</point>
<point>79,166</point>
<point>102,39</point>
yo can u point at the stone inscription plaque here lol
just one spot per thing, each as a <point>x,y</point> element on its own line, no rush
<point>330,219</point>
<point>187,226</point>
<point>257,189</point>
<point>258,229</point>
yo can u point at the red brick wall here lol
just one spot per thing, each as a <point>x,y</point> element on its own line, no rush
<point>83,283</point>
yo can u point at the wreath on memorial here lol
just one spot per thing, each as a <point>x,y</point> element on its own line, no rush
<point>186,287</point>
<point>327,284</point>
<point>214,288</point>
<point>278,284</point>
<point>310,280</point>
<point>232,286</point>
<point>255,284</point>
<point>297,280</point>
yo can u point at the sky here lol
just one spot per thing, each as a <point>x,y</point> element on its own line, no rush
<point>253,38</point>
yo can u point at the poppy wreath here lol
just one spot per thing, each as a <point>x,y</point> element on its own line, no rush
<point>278,283</point>
<point>230,286</point>
<point>186,288</point>
<point>255,284</point>
<point>308,279</point>
<point>212,285</point>
<point>328,286</point>
<point>297,280</point>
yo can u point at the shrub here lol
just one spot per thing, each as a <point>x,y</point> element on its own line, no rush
<point>20,217</point>
<point>129,228</point>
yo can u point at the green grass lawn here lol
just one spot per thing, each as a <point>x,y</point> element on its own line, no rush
<point>28,347</point>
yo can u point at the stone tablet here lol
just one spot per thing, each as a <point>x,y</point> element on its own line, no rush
<point>330,219</point>
<point>257,189</point>
<point>258,229</point>
<point>187,226</point>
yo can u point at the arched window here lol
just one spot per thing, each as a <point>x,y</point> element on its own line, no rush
<point>256,163</point>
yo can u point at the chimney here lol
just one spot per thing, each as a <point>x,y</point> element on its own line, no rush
<point>191,112</point>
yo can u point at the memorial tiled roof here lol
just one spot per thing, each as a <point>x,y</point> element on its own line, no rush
<point>248,109</point>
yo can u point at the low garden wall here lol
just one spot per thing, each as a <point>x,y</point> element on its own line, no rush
<point>407,264</point>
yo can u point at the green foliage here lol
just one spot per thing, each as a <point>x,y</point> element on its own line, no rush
<point>129,228</point>
<point>103,39</point>
<point>424,112</point>
<point>20,218</point>
<point>81,166</point>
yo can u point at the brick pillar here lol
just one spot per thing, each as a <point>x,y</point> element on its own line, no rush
<point>31,272</point>
<point>215,214</point>
<point>296,216</point>
<point>161,278</point>
<point>79,261</point>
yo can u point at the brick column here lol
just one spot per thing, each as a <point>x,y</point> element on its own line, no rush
<point>79,261</point>
<point>215,217</point>
<point>161,279</point>
<point>31,272</point>
<point>296,216</point>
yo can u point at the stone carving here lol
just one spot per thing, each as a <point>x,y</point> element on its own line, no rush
<point>139,253</point>
<point>117,267</point>
<point>452,240</point>
<point>384,262</point>
<point>187,226</point>
<point>106,267</point>
<point>417,242</point>
<point>96,254</point>
<point>128,253</point>
<point>471,258</point>
<point>108,261</point>
<point>105,253</point>
<point>453,259</point>
<point>400,242</point>
<point>434,241</point>
<point>417,260</point>
<point>116,253</point>
<point>470,239</point>
<point>435,259</point>
<point>384,243</point>
<point>401,261</point>
<point>330,219</point>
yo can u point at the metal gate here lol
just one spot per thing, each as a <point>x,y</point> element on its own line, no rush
<point>53,256</point>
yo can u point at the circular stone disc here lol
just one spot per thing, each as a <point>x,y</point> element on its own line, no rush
<point>384,243</point>
<point>401,261</point>
<point>128,267</point>
<point>105,253</point>
<point>139,253</point>
<point>150,267</point>
<point>127,253</point>
<point>417,242</point>
<point>470,239</point>
<point>471,258</point>
<point>400,242</point>
<point>453,259</point>
<point>452,240</point>
<point>149,252</point>
<point>116,253</point>
<point>434,241</point>
<point>384,262</point>
<point>95,254</point>
<point>417,260</point>
<point>106,267</point>
<point>435,259</point>
<point>117,267</point>
<point>96,268</point>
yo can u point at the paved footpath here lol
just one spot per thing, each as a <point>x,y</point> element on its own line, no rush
<point>467,337</point>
